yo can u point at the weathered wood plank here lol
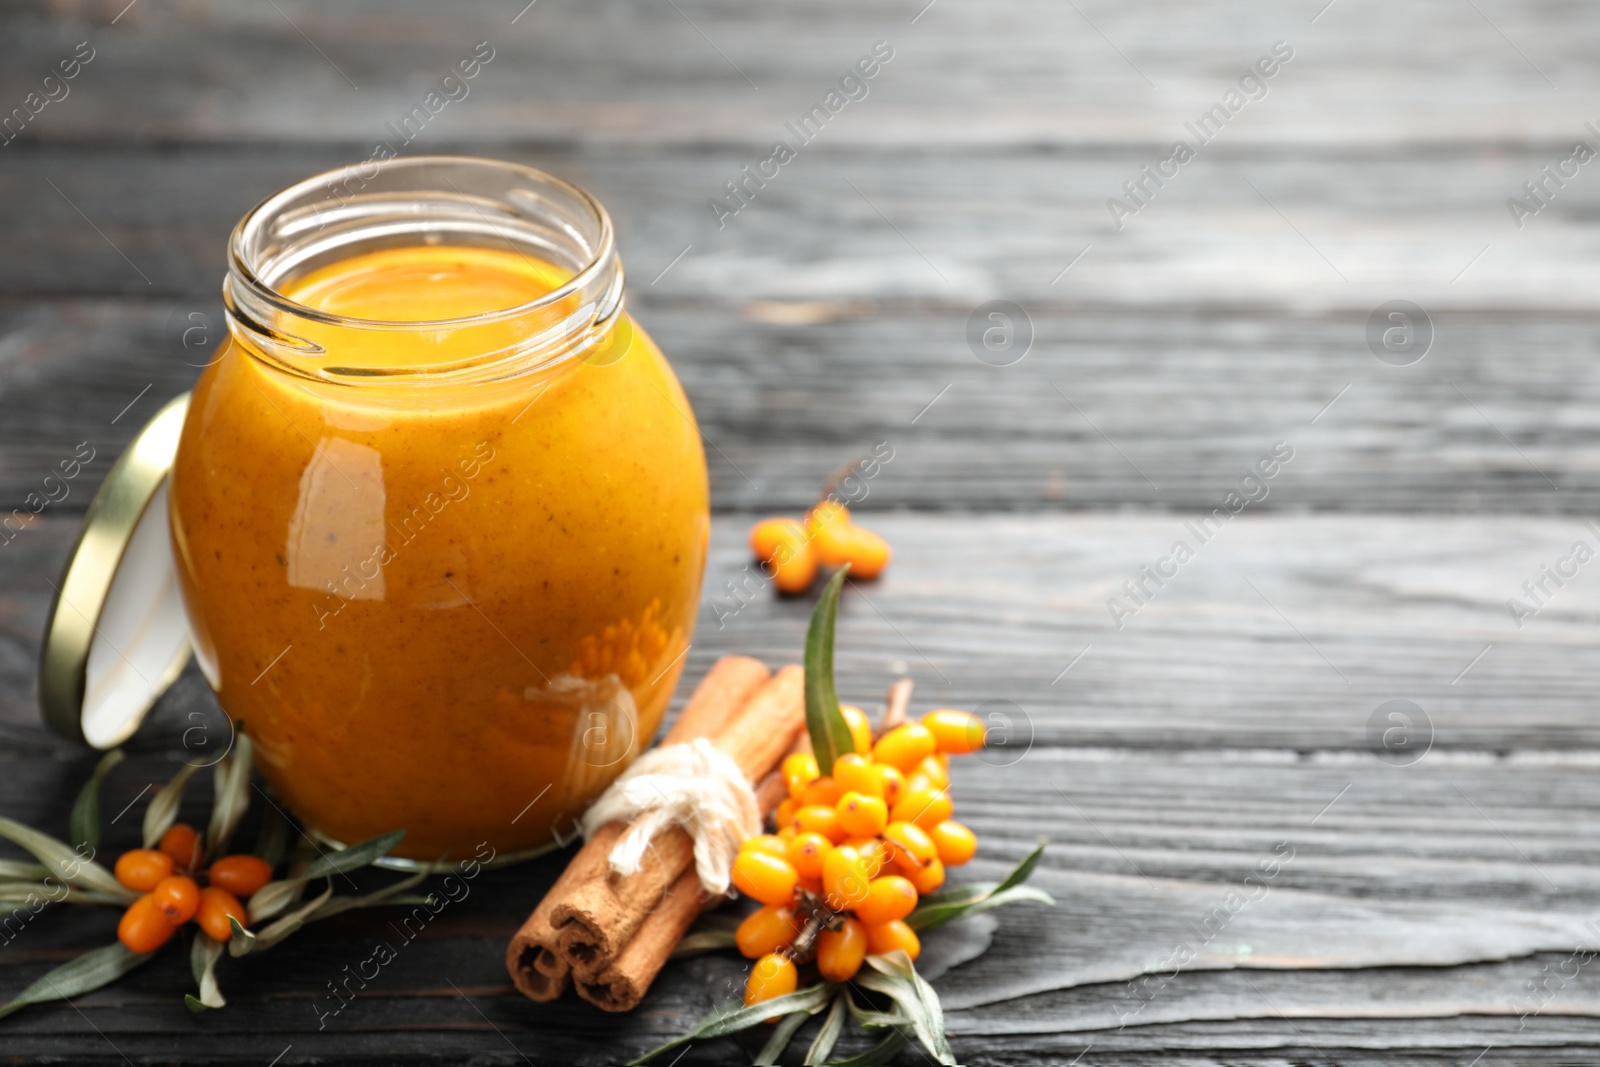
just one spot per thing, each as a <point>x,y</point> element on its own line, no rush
<point>1013,72</point>
<point>1285,631</point>
<point>1146,852</point>
<point>1297,229</point>
<point>1161,411</point>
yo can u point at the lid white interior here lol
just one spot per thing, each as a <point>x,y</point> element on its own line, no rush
<point>142,634</point>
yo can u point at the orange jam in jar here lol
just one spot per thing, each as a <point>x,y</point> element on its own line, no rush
<point>439,508</point>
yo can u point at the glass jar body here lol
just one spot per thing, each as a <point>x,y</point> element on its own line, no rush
<point>443,572</point>
<point>429,619</point>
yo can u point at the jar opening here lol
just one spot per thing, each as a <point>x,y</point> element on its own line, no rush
<point>445,202</point>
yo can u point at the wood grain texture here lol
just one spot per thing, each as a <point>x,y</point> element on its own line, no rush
<point>1302,231</point>
<point>1019,71</point>
<point>1233,718</point>
<point>1346,613</point>
<point>1155,411</point>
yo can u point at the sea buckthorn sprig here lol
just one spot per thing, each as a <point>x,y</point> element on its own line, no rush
<point>234,899</point>
<point>852,873</point>
<point>852,853</point>
<point>793,551</point>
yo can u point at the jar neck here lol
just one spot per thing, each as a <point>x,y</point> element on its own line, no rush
<point>440,201</point>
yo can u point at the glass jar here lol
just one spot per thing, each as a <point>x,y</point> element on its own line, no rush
<point>439,508</point>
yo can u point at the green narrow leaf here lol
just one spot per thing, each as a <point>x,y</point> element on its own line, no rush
<point>64,862</point>
<point>391,894</point>
<point>956,902</point>
<point>830,734</point>
<point>732,1019</point>
<point>356,856</point>
<point>931,918</point>
<point>273,840</point>
<point>22,871</point>
<point>203,957</point>
<point>273,897</point>
<point>878,1020</point>
<point>1024,870</point>
<point>896,979</point>
<point>832,1026</point>
<point>243,942</point>
<point>84,974</point>
<point>86,809</point>
<point>162,810</point>
<point>882,1053</point>
<point>270,935</point>
<point>231,796</point>
<point>703,941</point>
<point>30,892</point>
<point>782,1034</point>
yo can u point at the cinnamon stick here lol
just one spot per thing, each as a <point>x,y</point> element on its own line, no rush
<point>602,915</point>
<point>622,985</point>
<point>536,968</point>
<point>894,711</point>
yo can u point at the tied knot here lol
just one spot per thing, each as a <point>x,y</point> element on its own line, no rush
<point>692,785</point>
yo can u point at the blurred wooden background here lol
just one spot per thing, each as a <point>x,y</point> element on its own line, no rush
<point>1165,759</point>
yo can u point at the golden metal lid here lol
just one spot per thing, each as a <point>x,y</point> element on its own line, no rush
<point>117,636</point>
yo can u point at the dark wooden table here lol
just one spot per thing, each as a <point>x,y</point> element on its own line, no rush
<point>1425,910</point>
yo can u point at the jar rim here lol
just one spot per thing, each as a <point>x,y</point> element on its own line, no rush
<point>242,268</point>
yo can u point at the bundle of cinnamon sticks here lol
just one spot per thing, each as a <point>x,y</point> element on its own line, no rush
<point>609,935</point>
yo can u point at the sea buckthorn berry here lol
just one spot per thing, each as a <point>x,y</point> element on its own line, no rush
<point>840,952</point>
<point>955,731</point>
<point>215,907</point>
<point>819,818</point>
<point>928,877</point>
<point>933,772</point>
<point>771,976</point>
<point>825,514</point>
<point>806,853</point>
<point>888,898</point>
<point>141,868</point>
<point>809,885</point>
<point>861,815</point>
<point>771,844</point>
<point>913,848</point>
<point>241,875</point>
<point>786,834</point>
<point>874,853</point>
<point>768,535</point>
<point>822,791</point>
<point>793,566</point>
<point>182,843</point>
<point>143,928</point>
<point>893,935</point>
<point>764,877</point>
<point>860,728</point>
<point>925,807</point>
<point>891,784</point>
<point>800,770</point>
<point>766,930</point>
<point>955,843</point>
<point>784,815</point>
<point>844,878</point>
<point>866,552</point>
<point>905,746</point>
<point>854,774</point>
<point>177,897</point>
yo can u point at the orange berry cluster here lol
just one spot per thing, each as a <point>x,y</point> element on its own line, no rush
<point>166,877</point>
<point>792,551</point>
<point>854,850</point>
